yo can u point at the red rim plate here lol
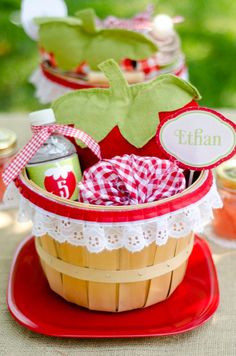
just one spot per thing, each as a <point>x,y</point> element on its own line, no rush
<point>33,304</point>
<point>89,213</point>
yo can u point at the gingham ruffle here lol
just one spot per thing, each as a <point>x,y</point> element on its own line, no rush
<point>130,180</point>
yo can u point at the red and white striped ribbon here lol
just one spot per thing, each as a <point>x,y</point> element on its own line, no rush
<point>40,135</point>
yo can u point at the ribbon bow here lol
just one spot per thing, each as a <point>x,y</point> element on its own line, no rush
<point>40,135</point>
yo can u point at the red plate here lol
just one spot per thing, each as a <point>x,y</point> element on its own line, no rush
<point>35,306</point>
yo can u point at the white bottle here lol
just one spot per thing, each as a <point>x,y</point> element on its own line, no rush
<point>55,166</point>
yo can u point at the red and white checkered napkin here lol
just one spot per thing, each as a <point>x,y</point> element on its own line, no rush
<point>130,179</point>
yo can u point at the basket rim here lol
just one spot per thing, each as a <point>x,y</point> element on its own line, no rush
<point>199,181</point>
<point>100,213</point>
<point>74,83</point>
<point>67,81</point>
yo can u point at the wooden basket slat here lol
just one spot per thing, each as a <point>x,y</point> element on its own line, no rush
<point>54,277</point>
<point>159,286</point>
<point>103,296</point>
<point>74,290</point>
<point>134,295</point>
<point>178,273</point>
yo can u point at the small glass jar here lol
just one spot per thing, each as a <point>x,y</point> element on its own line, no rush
<point>8,143</point>
<point>224,223</point>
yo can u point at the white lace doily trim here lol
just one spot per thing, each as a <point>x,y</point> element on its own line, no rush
<point>133,236</point>
<point>47,91</point>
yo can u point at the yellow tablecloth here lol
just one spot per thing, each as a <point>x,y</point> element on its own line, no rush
<point>216,337</point>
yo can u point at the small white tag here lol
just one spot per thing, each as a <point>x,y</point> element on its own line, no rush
<point>198,138</point>
<point>30,9</point>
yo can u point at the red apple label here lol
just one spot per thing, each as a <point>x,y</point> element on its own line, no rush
<point>60,181</point>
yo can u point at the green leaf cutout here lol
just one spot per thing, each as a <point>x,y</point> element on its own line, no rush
<point>76,39</point>
<point>134,108</point>
<point>87,16</point>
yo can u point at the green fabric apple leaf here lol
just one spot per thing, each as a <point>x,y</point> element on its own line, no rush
<point>134,108</point>
<point>75,40</point>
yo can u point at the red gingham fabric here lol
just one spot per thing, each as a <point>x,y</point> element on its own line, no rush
<point>146,66</point>
<point>49,57</point>
<point>135,24</point>
<point>129,180</point>
<point>41,134</point>
<point>142,21</point>
<point>82,68</point>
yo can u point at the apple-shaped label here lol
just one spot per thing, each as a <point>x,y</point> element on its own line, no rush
<point>60,181</point>
<point>198,138</point>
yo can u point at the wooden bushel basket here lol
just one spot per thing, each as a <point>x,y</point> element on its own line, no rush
<point>116,279</point>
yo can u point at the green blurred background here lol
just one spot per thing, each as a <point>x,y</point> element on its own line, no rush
<point>208,40</point>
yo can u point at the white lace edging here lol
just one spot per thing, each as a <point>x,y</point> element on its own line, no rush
<point>46,90</point>
<point>133,236</point>
<point>11,198</point>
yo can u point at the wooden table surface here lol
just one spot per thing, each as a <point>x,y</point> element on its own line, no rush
<point>216,337</point>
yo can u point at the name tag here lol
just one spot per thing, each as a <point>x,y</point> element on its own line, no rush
<point>198,138</point>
